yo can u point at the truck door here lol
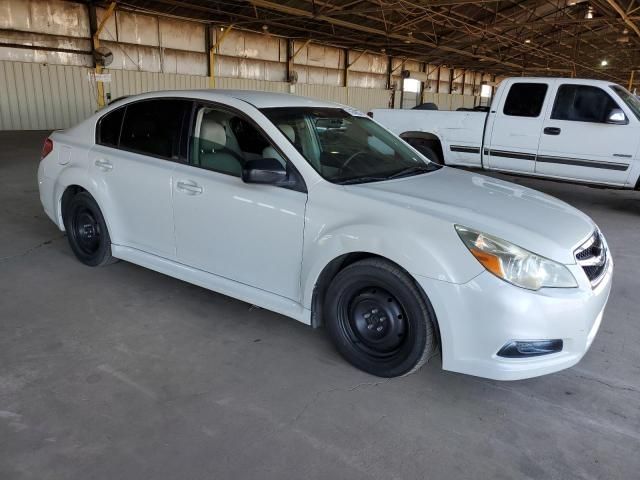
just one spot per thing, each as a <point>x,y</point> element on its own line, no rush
<point>587,136</point>
<point>515,130</point>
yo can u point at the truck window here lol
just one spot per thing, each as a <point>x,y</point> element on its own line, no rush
<point>630,99</point>
<point>525,99</point>
<point>582,103</point>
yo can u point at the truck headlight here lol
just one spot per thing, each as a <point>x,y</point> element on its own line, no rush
<point>514,264</point>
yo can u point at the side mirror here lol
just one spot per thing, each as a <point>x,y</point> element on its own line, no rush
<point>617,117</point>
<point>263,170</point>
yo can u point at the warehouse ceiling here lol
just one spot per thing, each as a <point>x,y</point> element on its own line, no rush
<point>594,38</point>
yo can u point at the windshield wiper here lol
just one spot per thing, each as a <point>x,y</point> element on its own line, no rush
<point>350,181</point>
<point>414,170</point>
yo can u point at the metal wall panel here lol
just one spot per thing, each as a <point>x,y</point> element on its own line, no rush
<point>55,17</point>
<point>41,97</point>
<point>367,62</point>
<point>254,69</point>
<point>366,80</point>
<point>58,96</point>
<point>150,43</point>
<point>137,28</point>
<point>127,82</point>
<point>181,35</point>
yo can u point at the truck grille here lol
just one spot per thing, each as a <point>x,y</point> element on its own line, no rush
<point>592,257</point>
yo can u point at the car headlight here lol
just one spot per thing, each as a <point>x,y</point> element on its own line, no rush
<point>514,264</point>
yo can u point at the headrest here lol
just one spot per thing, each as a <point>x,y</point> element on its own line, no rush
<point>213,131</point>
<point>288,131</point>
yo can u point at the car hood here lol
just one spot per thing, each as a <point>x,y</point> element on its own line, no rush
<point>530,219</point>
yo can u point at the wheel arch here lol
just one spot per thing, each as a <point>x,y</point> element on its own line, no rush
<point>432,139</point>
<point>334,266</point>
<point>70,183</point>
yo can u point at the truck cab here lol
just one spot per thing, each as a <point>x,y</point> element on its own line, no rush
<point>569,129</point>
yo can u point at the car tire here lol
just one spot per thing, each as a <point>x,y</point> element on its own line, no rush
<point>379,320</point>
<point>426,149</point>
<point>87,231</point>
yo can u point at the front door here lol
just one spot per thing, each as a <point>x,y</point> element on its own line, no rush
<point>577,142</point>
<point>248,233</point>
<point>517,122</point>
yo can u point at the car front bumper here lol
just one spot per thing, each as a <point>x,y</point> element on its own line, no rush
<point>478,318</point>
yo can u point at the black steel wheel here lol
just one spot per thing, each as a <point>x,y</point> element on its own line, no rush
<point>379,320</point>
<point>87,231</point>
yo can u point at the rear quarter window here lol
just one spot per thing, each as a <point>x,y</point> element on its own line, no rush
<point>109,128</point>
<point>525,99</point>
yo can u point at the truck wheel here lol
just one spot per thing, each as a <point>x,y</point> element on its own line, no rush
<point>426,149</point>
<point>87,231</point>
<point>379,320</point>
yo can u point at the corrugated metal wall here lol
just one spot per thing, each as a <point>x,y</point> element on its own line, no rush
<point>43,89</point>
<point>43,97</point>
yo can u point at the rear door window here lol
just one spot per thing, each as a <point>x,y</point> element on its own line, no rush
<point>525,99</point>
<point>154,127</point>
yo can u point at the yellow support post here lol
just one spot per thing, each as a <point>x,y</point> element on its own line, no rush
<point>212,58</point>
<point>631,80</point>
<point>96,45</point>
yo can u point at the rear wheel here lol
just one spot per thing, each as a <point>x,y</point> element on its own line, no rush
<point>87,231</point>
<point>379,320</point>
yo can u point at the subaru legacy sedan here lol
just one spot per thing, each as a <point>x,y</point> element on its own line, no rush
<point>313,210</point>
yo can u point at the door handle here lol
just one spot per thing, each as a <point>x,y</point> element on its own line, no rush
<point>104,165</point>
<point>190,188</point>
<point>551,131</point>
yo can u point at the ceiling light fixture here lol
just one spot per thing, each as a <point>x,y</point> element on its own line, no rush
<point>604,63</point>
<point>590,12</point>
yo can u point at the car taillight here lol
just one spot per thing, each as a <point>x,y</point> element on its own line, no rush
<point>46,148</point>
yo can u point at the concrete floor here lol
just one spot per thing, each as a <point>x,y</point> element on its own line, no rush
<point>121,372</point>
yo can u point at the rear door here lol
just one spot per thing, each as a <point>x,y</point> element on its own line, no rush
<point>577,142</point>
<point>137,149</point>
<point>515,126</point>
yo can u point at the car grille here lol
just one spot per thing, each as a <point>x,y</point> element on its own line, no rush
<point>592,257</point>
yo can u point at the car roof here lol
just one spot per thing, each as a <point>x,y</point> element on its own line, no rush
<point>256,98</point>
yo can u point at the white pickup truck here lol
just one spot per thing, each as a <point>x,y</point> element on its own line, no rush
<point>585,131</point>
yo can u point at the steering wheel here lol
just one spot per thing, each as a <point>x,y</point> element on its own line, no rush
<point>347,164</point>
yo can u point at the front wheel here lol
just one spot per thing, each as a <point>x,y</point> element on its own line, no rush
<point>379,320</point>
<point>87,231</point>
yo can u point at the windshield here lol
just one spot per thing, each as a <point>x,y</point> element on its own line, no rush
<point>346,148</point>
<point>630,99</point>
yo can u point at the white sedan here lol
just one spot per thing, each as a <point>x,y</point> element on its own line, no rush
<point>315,211</point>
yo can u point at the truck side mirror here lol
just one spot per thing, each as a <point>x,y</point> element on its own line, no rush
<point>617,117</point>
